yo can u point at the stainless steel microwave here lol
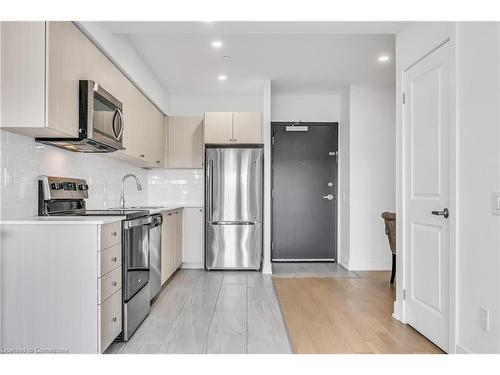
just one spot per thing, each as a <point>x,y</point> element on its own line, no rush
<point>101,122</point>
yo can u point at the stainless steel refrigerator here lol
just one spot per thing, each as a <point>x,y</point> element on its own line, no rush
<point>233,201</point>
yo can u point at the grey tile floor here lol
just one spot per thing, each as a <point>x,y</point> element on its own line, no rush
<point>212,312</point>
<point>311,270</point>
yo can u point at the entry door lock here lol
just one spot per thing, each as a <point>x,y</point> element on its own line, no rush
<point>328,197</point>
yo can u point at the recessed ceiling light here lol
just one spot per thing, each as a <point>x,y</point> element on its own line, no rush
<point>227,57</point>
<point>222,77</point>
<point>383,58</point>
<point>217,44</point>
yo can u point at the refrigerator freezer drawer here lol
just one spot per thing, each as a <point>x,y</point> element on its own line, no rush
<point>233,246</point>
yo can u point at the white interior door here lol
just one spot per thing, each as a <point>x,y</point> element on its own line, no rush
<point>426,234</point>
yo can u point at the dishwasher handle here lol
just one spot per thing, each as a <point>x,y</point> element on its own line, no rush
<point>156,221</point>
<point>136,222</point>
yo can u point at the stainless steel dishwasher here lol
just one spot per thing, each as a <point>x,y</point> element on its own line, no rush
<point>155,229</point>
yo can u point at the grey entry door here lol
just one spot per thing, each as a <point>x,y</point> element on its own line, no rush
<point>304,194</point>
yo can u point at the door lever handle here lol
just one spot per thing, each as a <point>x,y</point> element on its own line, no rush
<point>444,213</point>
<point>328,197</point>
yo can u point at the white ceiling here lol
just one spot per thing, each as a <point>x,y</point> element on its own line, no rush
<point>296,56</point>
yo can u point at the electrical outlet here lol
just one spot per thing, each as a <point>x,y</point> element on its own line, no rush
<point>484,318</point>
<point>495,203</point>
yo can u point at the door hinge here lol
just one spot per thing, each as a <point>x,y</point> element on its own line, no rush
<point>404,294</point>
<point>272,245</point>
<point>272,140</point>
<point>404,98</point>
<point>272,193</point>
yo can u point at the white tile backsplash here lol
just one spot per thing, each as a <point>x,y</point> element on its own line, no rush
<point>176,186</point>
<point>23,160</point>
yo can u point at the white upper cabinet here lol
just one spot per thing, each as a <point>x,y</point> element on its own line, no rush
<point>233,127</point>
<point>39,91</point>
<point>185,142</point>
<point>218,127</point>
<point>247,127</point>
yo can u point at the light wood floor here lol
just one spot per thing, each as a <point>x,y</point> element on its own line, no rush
<point>346,315</point>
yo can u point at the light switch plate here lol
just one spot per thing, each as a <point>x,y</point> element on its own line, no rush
<point>495,203</point>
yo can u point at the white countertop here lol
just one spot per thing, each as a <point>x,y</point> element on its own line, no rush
<point>173,207</point>
<point>159,209</point>
<point>93,220</point>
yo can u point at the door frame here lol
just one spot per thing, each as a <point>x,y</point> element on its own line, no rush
<point>336,209</point>
<point>402,189</point>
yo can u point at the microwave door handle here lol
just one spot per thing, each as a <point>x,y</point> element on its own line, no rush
<point>122,122</point>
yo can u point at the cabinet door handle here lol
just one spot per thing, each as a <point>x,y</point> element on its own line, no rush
<point>114,283</point>
<point>114,259</point>
<point>114,234</point>
<point>142,155</point>
<point>114,319</point>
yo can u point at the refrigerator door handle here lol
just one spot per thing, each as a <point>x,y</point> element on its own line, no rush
<point>210,184</point>
<point>232,222</point>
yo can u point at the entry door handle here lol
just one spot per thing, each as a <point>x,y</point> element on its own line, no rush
<point>328,197</point>
<point>444,213</point>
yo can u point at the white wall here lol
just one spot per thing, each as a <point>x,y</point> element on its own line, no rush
<point>121,52</point>
<point>175,186</point>
<point>197,105</point>
<point>478,230</point>
<point>343,231</point>
<point>372,174</point>
<point>23,160</point>
<point>266,126</point>
<point>307,107</point>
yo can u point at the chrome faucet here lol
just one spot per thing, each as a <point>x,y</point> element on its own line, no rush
<point>122,196</point>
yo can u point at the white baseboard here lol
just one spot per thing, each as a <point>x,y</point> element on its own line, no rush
<point>192,265</point>
<point>344,263</point>
<point>267,268</point>
<point>397,312</point>
<point>461,350</point>
<point>369,266</point>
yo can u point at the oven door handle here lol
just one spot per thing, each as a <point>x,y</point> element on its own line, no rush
<point>136,222</point>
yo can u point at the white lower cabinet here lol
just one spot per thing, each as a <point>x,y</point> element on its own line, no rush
<point>182,240</point>
<point>110,319</point>
<point>178,214</point>
<point>61,289</point>
<point>171,243</point>
<point>192,237</point>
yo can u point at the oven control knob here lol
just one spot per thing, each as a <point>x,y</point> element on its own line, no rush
<point>83,187</point>
<point>56,186</point>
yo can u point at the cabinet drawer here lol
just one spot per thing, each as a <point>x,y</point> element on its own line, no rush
<point>109,284</point>
<point>111,234</point>
<point>111,319</point>
<point>110,259</point>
